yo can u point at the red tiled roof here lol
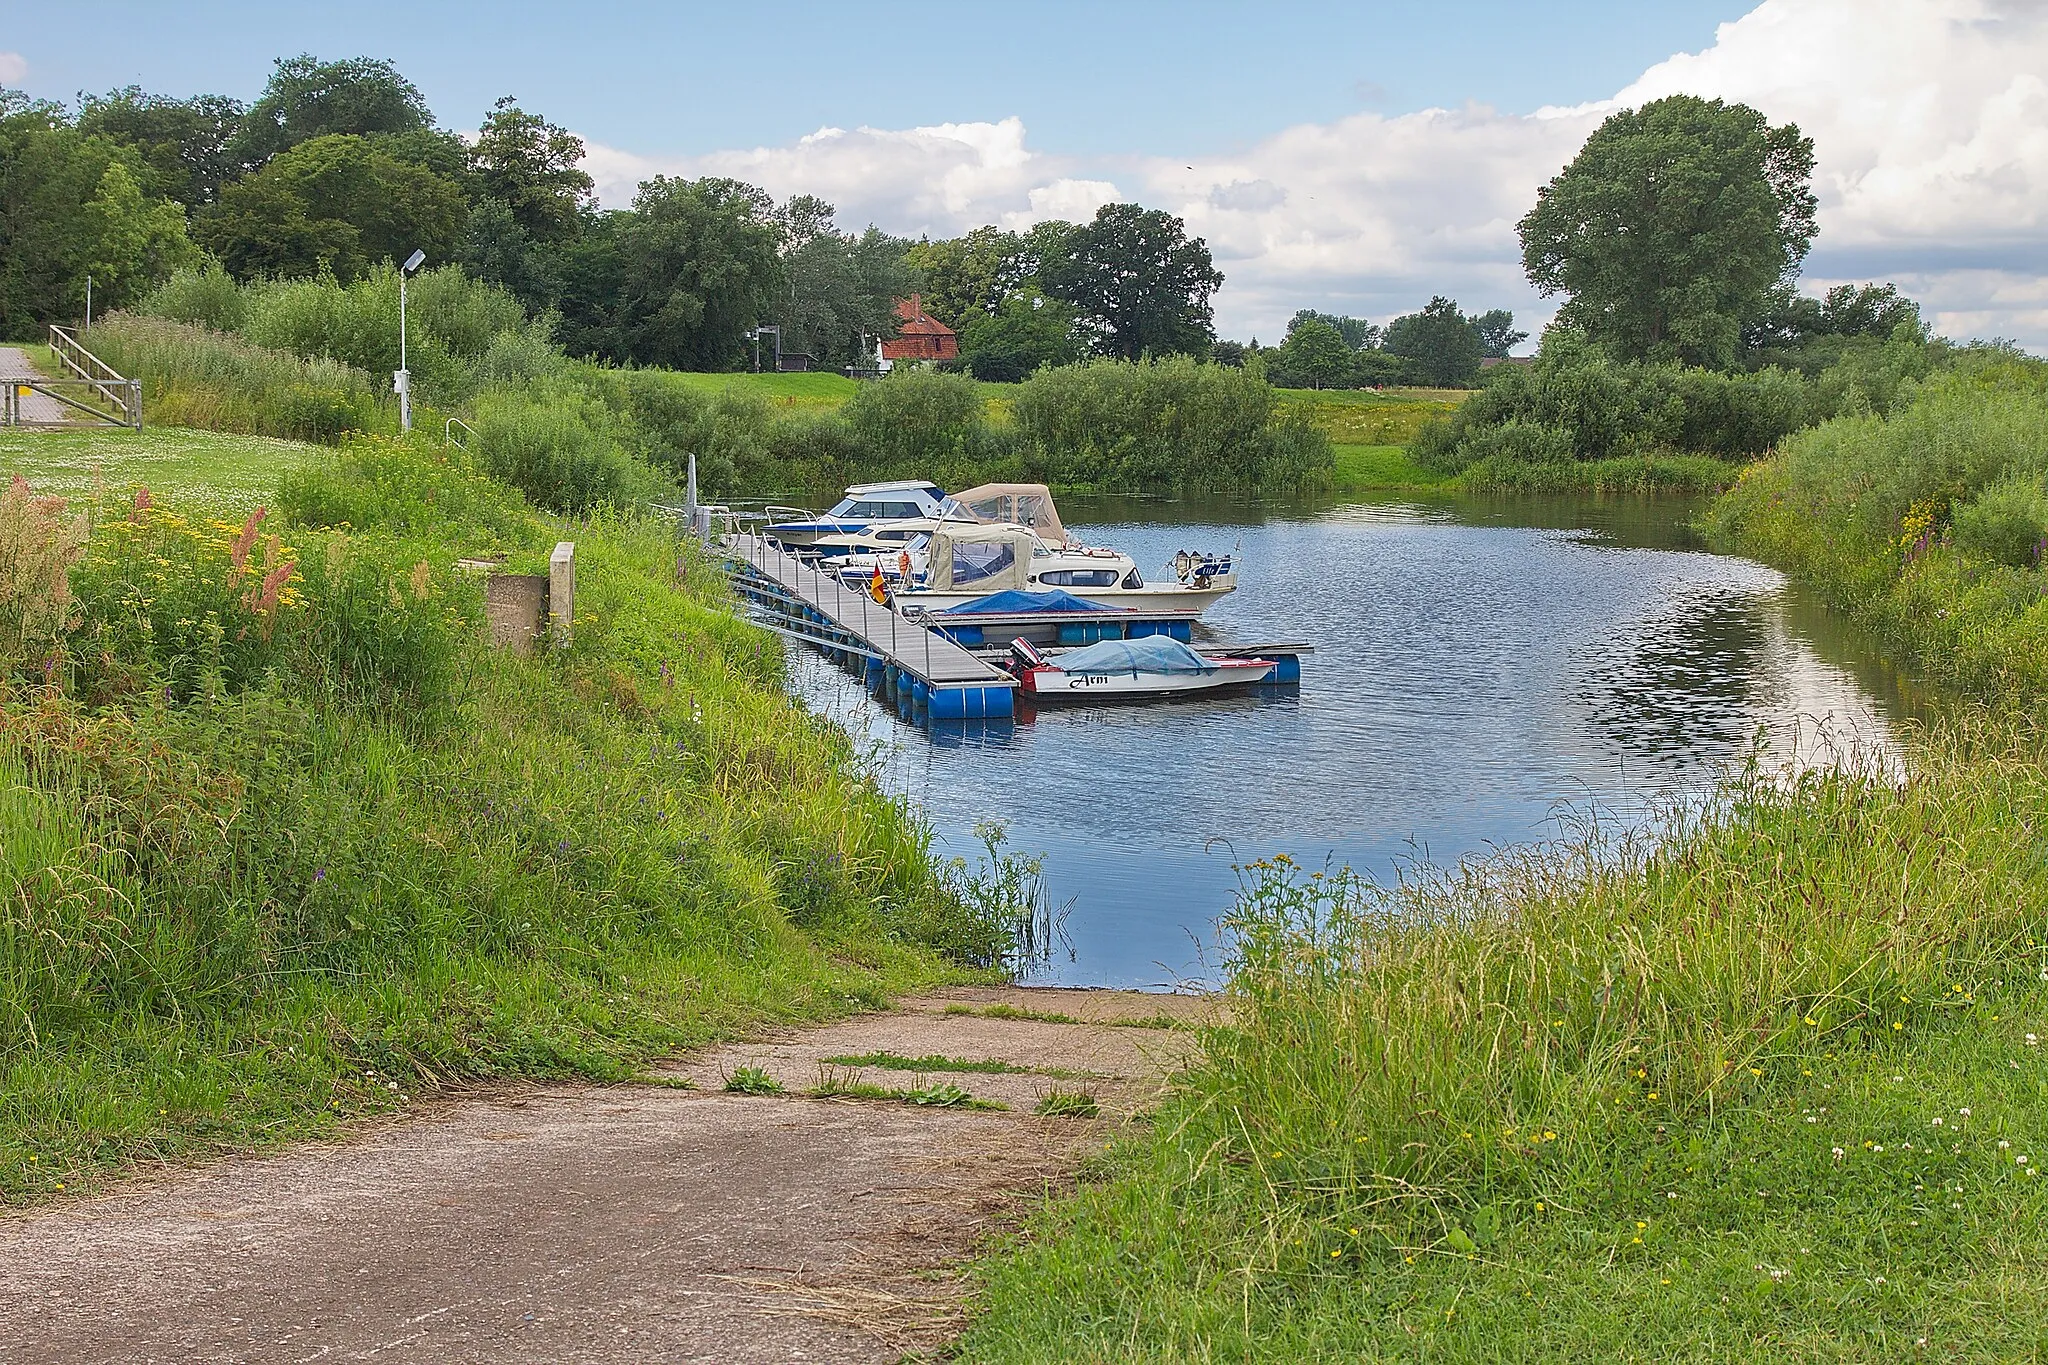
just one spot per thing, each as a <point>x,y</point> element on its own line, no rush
<point>916,322</point>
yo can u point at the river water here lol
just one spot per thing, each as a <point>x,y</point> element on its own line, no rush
<point>1481,669</point>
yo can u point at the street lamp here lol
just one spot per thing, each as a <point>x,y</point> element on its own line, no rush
<point>402,380</point>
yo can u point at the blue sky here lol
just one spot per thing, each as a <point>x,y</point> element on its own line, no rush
<point>1356,158</point>
<point>1089,78</point>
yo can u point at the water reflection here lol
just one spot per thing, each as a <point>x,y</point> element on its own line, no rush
<point>1476,665</point>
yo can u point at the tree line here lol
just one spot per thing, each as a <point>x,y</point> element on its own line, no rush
<point>340,167</point>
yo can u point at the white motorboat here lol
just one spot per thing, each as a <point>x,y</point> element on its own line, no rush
<point>865,507</point>
<point>1017,504</point>
<point>956,564</point>
<point>1121,670</point>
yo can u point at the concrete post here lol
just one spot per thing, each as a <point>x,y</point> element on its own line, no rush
<point>562,591</point>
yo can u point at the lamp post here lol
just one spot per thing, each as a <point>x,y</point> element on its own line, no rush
<point>401,382</point>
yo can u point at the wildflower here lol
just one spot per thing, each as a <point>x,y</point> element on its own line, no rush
<point>1936,1123</point>
<point>1964,1112</point>
<point>1653,1094</point>
<point>2020,1160</point>
<point>2003,1144</point>
<point>1549,1136</point>
<point>1640,1225</point>
<point>1539,1203</point>
<point>1664,1282</point>
<point>1812,1022</point>
<point>1896,1026</point>
<point>1839,1153</point>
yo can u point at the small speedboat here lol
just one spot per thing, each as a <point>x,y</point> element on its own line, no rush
<point>1116,670</point>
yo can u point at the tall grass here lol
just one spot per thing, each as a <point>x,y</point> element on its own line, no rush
<point>1597,1101</point>
<point>285,839</point>
<point>194,377</point>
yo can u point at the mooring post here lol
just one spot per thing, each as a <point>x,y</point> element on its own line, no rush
<point>562,591</point>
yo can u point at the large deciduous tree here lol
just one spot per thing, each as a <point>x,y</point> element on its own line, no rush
<point>836,285</point>
<point>70,206</point>
<point>1672,228</point>
<point>1139,280</point>
<point>308,98</point>
<point>183,143</point>
<point>1316,351</point>
<point>699,268</point>
<point>338,202</point>
<point>534,168</point>
<point>1441,346</point>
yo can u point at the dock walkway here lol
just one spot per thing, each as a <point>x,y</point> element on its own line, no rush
<point>926,665</point>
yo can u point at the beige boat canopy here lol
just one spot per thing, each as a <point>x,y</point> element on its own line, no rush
<point>981,559</point>
<point>1021,504</point>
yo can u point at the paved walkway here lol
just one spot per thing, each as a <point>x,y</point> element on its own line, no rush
<point>14,363</point>
<point>626,1223</point>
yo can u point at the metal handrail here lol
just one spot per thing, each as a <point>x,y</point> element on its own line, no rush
<point>448,434</point>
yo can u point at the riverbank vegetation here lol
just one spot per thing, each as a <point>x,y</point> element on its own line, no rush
<point>284,841</point>
<point>1769,1081</point>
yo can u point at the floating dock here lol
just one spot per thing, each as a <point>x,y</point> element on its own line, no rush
<point>901,656</point>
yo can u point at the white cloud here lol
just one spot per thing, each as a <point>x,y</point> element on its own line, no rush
<point>1929,118</point>
<point>13,68</point>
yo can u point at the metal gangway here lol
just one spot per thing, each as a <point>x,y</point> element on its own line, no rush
<point>899,650</point>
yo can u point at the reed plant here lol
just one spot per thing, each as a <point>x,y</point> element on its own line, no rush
<point>1772,1078</point>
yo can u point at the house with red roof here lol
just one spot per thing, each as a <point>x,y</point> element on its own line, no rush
<point>921,338</point>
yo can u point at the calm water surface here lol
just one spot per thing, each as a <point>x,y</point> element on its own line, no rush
<point>1479,669</point>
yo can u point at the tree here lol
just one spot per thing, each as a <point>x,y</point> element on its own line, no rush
<point>184,143</point>
<point>1029,330</point>
<point>338,202</point>
<point>1138,279</point>
<point>498,250</point>
<point>1317,351</point>
<point>1358,333</point>
<point>1441,346</point>
<point>71,206</point>
<point>972,276</point>
<point>699,269</point>
<point>534,168</point>
<point>307,98</point>
<point>134,242</point>
<point>836,286</point>
<point>1672,228</point>
<point>1497,335</point>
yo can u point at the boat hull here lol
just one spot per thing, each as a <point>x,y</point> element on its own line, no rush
<point>1163,598</point>
<point>1051,683</point>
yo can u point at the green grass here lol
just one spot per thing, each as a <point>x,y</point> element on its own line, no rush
<point>1165,1021</point>
<point>1067,1104</point>
<point>751,1080</point>
<point>1572,1106</point>
<point>1635,474</point>
<point>260,879</point>
<point>834,1085</point>
<point>1362,469</point>
<point>816,392</point>
<point>1360,417</point>
<point>205,471</point>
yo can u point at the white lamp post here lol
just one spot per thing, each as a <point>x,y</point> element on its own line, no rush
<point>401,382</point>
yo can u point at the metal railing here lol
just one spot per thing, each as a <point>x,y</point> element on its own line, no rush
<point>91,393</point>
<point>448,434</point>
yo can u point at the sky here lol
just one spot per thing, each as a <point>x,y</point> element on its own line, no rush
<point>1336,156</point>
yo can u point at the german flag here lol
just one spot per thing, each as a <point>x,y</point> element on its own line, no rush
<point>878,586</point>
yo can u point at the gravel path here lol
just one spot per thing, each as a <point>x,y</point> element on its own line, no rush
<point>627,1223</point>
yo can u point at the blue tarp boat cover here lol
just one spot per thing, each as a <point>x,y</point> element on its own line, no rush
<point>1146,654</point>
<point>1017,600</point>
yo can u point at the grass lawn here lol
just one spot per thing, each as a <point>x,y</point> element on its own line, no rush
<point>1363,417</point>
<point>818,390</point>
<point>201,470</point>
<point>1363,468</point>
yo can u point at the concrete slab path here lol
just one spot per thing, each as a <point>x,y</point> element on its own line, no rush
<point>625,1223</point>
<point>36,407</point>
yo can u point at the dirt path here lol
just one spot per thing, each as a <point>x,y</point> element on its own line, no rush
<point>630,1223</point>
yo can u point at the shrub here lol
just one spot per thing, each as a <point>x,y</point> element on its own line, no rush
<point>2006,523</point>
<point>206,296</point>
<point>557,446</point>
<point>916,415</point>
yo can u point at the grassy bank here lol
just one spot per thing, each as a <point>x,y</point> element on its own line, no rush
<point>1365,469</point>
<point>283,842</point>
<point>1771,1086</point>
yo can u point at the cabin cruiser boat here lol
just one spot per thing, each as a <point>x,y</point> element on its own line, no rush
<point>961,564</point>
<point>1151,666</point>
<point>865,506</point>
<point>1017,504</point>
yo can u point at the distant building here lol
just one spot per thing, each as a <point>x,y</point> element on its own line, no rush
<point>921,337</point>
<point>795,362</point>
<point>1488,362</point>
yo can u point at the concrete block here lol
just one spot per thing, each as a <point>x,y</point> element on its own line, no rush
<point>514,605</point>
